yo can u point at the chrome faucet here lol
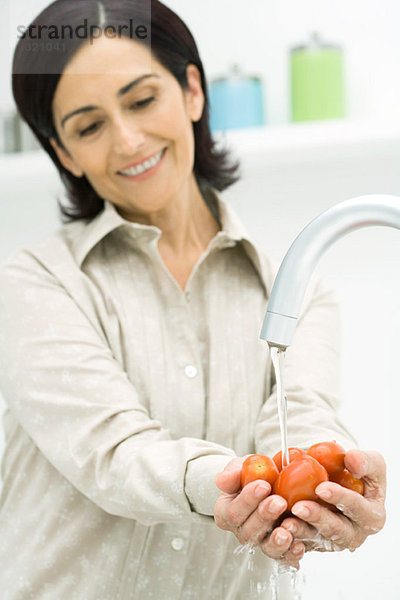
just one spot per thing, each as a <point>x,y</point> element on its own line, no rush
<point>291,282</point>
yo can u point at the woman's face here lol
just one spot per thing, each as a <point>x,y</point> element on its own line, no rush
<point>126,124</point>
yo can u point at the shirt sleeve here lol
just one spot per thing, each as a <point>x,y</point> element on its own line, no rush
<point>73,398</point>
<point>311,379</point>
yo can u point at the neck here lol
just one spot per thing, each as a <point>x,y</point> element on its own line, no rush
<point>187,227</point>
<point>186,222</point>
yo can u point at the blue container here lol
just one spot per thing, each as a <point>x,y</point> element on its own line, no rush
<point>236,101</point>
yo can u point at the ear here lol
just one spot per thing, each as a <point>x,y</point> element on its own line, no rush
<point>194,93</point>
<point>65,159</point>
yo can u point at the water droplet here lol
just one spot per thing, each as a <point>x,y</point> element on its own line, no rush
<point>378,513</point>
<point>373,529</point>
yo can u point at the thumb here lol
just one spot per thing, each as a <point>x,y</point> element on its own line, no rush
<point>228,480</point>
<point>370,467</point>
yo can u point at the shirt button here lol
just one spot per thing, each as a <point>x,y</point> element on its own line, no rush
<point>190,371</point>
<point>177,544</point>
<point>187,296</point>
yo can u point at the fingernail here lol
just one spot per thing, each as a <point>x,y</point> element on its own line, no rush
<point>290,527</point>
<point>276,505</point>
<point>281,538</point>
<point>261,491</point>
<point>324,493</point>
<point>301,511</point>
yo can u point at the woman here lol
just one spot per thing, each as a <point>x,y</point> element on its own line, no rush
<point>131,361</point>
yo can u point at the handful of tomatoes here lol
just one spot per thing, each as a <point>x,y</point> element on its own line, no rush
<point>306,470</point>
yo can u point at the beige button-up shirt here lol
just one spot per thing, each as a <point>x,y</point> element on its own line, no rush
<point>126,395</point>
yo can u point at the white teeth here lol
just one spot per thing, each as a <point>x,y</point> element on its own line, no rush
<point>144,166</point>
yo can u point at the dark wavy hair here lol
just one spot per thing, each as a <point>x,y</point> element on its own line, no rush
<point>36,75</point>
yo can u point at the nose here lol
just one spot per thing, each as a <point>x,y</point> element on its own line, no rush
<point>127,136</point>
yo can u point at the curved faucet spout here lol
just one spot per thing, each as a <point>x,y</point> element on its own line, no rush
<point>291,282</point>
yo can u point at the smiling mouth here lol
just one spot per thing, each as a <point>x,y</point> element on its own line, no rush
<point>144,166</point>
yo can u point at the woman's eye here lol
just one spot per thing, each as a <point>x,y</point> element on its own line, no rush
<point>143,103</point>
<point>91,129</point>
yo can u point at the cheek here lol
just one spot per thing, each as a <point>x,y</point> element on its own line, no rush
<point>93,161</point>
<point>173,121</point>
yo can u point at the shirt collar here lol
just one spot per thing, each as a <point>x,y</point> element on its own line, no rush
<point>108,220</point>
<point>87,236</point>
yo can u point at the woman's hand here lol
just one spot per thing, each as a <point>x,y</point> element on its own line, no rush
<point>360,516</point>
<point>251,513</point>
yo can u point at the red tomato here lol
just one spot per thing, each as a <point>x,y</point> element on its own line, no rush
<point>299,479</point>
<point>346,479</point>
<point>258,466</point>
<point>294,454</point>
<point>330,455</point>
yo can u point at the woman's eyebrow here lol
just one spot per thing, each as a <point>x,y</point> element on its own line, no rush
<point>121,92</point>
<point>135,82</point>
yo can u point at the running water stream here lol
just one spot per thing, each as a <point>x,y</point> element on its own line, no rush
<point>258,588</point>
<point>278,357</point>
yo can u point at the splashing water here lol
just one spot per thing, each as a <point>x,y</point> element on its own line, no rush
<point>320,543</point>
<point>251,549</point>
<point>296,579</point>
<point>258,588</point>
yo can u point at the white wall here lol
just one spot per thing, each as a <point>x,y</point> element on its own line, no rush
<point>258,34</point>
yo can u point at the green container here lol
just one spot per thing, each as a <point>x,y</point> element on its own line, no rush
<point>317,82</point>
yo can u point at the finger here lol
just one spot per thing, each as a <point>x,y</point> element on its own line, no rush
<point>277,543</point>
<point>261,521</point>
<point>332,526</point>
<point>239,509</point>
<point>369,466</point>
<point>299,529</point>
<point>228,480</point>
<point>359,509</point>
<point>308,535</point>
<point>295,554</point>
